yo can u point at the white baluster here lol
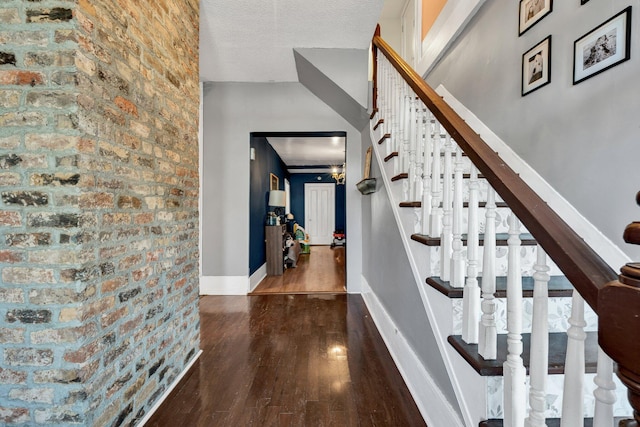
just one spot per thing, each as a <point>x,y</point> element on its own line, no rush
<point>388,107</point>
<point>605,393</point>
<point>395,133</point>
<point>457,262</point>
<point>514,371</point>
<point>426,174</point>
<point>410,166</point>
<point>446,240</point>
<point>382,94</point>
<point>402,134</point>
<point>418,142</point>
<point>471,293</point>
<point>539,352</point>
<point>435,225</point>
<point>572,400</point>
<point>487,341</point>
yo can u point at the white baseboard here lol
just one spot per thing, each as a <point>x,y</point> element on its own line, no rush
<point>609,252</point>
<point>175,382</point>
<point>224,285</point>
<point>257,277</point>
<point>433,405</point>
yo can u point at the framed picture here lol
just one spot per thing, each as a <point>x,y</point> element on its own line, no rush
<point>536,67</point>
<point>531,11</point>
<point>275,182</point>
<point>583,1</point>
<point>604,47</point>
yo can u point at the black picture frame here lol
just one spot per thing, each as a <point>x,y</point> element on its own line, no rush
<point>583,1</point>
<point>604,47</point>
<point>531,12</point>
<point>536,66</point>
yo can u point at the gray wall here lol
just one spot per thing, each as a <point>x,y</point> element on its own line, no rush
<point>231,112</point>
<point>348,68</point>
<point>386,267</point>
<point>582,139</point>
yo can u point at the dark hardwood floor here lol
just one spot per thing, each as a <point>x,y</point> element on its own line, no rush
<point>289,360</point>
<point>322,270</point>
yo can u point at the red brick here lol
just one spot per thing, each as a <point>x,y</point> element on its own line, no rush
<point>126,106</point>
<point>21,77</point>
<point>11,256</point>
<point>10,219</point>
<point>14,415</point>
<point>143,218</point>
<point>109,319</point>
<point>83,354</point>
<point>96,200</point>
<point>113,284</point>
<point>130,325</point>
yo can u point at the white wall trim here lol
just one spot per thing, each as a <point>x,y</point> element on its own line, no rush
<point>257,277</point>
<point>175,382</point>
<point>224,285</point>
<point>452,20</point>
<point>433,405</point>
<point>609,252</point>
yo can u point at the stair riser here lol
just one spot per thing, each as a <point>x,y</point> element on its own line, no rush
<point>559,313</point>
<point>501,222</point>
<point>527,259</point>
<point>555,384</point>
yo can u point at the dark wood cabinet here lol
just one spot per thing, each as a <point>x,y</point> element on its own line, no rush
<point>275,249</point>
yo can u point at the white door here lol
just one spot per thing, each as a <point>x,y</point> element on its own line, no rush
<point>320,212</point>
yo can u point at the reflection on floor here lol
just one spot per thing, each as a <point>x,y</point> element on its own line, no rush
<point>289,360</point>
<point>322,270</point>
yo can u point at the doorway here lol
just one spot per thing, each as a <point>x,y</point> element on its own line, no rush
<point>300,164</point>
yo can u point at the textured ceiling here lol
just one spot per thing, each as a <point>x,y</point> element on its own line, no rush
<point>253,40</point>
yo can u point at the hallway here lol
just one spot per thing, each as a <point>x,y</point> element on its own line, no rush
<point>320,271</point>
<point>289,360</point>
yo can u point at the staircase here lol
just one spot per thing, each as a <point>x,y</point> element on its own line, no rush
<point>510,301</point>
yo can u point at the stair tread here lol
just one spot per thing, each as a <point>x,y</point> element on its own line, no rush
<point>418,204</point>
<point>385,136</point>
<point>557,353</point>
<point>551,422</point>
<point>559,286</point>
<point>405,175</point>
<point>391,156</point>
<point>501,239</point>
<point>381,121</point>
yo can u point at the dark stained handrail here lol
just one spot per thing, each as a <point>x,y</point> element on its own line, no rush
<point>584,268</point>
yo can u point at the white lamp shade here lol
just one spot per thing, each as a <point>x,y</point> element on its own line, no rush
<point>277,198</point>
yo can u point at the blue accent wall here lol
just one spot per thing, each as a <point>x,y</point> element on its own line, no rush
<point>297,181</point>
<point>267,162</point>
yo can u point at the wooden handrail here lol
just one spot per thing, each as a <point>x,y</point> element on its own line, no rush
<point>586,270</point>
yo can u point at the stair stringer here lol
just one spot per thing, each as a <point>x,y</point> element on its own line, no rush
<point>469,387</point>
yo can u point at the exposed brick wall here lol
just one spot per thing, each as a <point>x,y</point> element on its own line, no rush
<point>99,207</point>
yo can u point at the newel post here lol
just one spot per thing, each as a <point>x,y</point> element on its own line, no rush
<point>619,322</point>
<point>374,73</point>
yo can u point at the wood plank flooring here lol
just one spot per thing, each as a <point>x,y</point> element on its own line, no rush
<point>322,270</point>
<point>289,360</point>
